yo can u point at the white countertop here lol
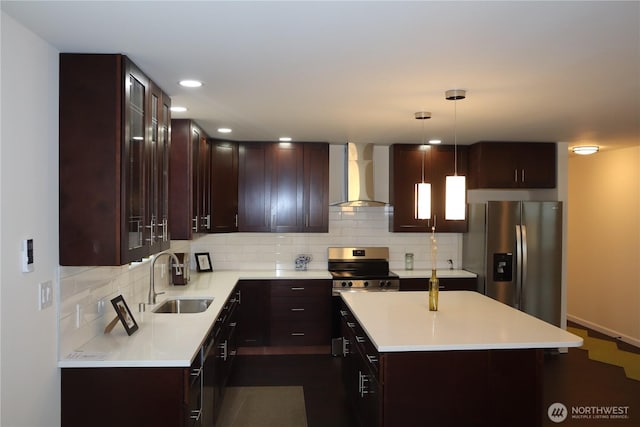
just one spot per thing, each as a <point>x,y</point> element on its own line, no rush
<point>401,321</point>
<point>421,274</point>
<point>171,340</point>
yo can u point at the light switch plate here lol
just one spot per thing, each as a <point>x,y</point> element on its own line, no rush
<point>45,295</point>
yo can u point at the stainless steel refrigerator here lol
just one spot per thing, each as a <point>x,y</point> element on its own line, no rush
<point>516,250</point>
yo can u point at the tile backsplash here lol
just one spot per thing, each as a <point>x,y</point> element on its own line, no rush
<point>348,226</point>
<point>86,292</point>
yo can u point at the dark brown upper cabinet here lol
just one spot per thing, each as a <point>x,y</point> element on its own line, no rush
<point>159,151</point>
<point>112,165</point>
<point>224,186</point>
<point>189,183</point>
<point>407,165</point>
<point>283,187</point>
<point>512,165</point>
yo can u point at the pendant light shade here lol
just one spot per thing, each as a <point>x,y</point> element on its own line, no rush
<point>455,186</point>
<point>423,200</point>
<point>455,197</point>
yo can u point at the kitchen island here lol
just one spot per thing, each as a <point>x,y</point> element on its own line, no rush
<point>475,362</point>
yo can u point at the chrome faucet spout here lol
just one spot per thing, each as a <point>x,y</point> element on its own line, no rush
<point>152,291</point>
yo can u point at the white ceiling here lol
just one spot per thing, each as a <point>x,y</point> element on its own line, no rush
<point>358,71</point>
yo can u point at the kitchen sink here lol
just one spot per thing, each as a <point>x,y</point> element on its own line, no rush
<point>184,305</point>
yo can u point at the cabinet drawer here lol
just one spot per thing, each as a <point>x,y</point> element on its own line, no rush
<point>300,333</point>
<point>292,288</point>
<point>300,309</point>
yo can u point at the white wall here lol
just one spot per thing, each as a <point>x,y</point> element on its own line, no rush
<point>30,381</point>
<point>604,242</point>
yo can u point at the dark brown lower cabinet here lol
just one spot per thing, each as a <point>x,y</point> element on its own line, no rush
<point>253,316</point>
<point>284,313</point>
<point>136,397</point>
<point>484,388</point>
<point>300,312</point>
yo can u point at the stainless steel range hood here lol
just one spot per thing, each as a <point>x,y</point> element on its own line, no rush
<point>360,172</point>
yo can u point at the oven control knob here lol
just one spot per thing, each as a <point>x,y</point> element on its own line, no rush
<point>344,284</point>
<point>350,284</point>
<point>382,283</point>
<point>366,283</point>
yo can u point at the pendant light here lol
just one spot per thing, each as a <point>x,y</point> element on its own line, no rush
<point>423,189</point>
<point>456,185</point>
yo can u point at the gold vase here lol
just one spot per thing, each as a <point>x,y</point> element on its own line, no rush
<point>434,288</point>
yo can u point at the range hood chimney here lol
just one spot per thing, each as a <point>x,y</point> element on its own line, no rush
<point>360,178</point>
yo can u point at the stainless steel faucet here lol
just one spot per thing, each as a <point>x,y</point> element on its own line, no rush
<point>152,291</point>
<point>450,261</point>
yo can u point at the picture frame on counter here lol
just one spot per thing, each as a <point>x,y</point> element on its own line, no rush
<point>124,314</point>
<point>203,261</point>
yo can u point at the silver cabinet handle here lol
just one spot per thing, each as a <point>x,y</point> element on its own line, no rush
<point>363,381</point>
<point>223,347</point>
<point>297,309</point>
<point>360,339</point>
<point>165,229</point>
<point>196,414</point>
<point>299,288</point>
<point>297,334</point>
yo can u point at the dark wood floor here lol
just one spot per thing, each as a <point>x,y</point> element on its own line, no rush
<point>570,378</point>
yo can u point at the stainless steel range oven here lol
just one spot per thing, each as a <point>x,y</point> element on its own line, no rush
<point>361,269</point>
<point>357,269</point>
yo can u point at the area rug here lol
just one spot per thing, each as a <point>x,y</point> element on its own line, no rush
<point>608,352</point>
<point>263,407</point>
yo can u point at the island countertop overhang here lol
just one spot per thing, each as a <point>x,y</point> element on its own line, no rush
<point>401,321</point>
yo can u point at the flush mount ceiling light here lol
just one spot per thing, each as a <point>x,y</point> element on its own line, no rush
<point>224,130</point>
<point>455,186</point>
<point>178,109</point>
<point>190,83</point>
<point>285,139</point>
<point>422,189</point>
<point>585,150</point>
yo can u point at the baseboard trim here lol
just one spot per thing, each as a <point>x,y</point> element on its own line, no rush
<point>603,330</point>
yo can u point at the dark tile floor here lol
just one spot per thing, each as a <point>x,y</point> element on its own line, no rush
<point>570,378</point>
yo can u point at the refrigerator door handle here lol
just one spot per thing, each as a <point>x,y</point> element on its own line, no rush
<point>518,266</point>
<point>523,264</point>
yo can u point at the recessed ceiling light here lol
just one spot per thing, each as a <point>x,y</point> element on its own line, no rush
<point>178,109</point>
<point>190,83</point>
<point>435,141</point>
<point>224,130</point>
<point>586,149</point>
<point>285,139</point>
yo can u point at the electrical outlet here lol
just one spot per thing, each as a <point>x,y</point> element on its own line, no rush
<point>78,316</point>
<point>45,295</point>
<point>101,306</point>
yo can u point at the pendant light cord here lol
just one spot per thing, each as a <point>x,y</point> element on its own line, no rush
<point>423,150</point>
<point>455,137</point>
